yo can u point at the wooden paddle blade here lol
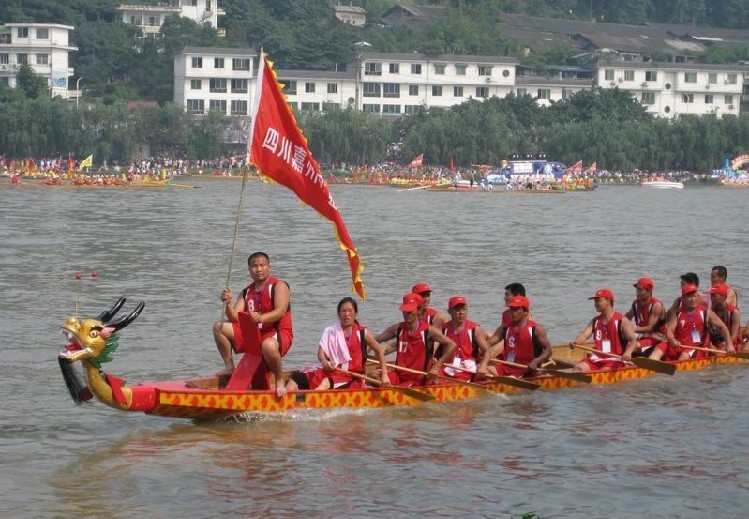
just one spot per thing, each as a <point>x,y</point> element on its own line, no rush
<point>654,365</point>
<point>516,382</point>
<point>577,377</point>
<point>413,393</point>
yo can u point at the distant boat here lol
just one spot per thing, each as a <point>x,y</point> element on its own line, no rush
<point>663,184</point>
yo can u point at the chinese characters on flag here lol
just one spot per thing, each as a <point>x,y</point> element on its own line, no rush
<point>279,150</point>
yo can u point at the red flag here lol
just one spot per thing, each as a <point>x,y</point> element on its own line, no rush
<point>452,165</point>
<point>416,162</point>
<point>279,150</point>
<point>577,167</point>
<point>592,168</point>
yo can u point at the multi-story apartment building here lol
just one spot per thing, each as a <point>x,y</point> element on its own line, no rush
<point>403,84</point>
<point>218,79</point>
<point>669,89</point>
<point>150,18</point>
<point>44,47</point>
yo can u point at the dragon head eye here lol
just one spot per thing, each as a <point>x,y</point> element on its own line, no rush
<point>93,334</point>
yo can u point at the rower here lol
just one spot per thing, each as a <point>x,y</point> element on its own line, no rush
<point>719,274</point>
<point>511,291</point>
<point>649,317</point>
<point>414,339</point>
<point>524,342</point>
<point>691,279</point>
<point>689,327</point>
<point>426,312</point>
<point>727,313</point>
<point>612,333</point>
<point>467,335</point>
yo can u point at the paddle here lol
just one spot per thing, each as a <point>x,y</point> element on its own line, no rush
<point>424,373</point>
<point>578,377</point>
<point>510,381</point>
<point>412,189</point>
<point>737,354</point>
<point>413,393</point>
<point>641,362</point>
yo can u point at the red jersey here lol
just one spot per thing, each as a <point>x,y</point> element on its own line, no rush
<point>465,338</point>
<point>414,352</point>
<point>262,302</point>
<point>428,316</point>
<point>691,327</point>
<point>728,316</point>
<point>520,343</point>
<point>641,312</point>
<point>608,336</point>
<point>357,348</point>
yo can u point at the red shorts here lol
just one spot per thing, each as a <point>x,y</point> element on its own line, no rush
<point>599,364</point>
<point>402,379</point>
<point>674,352</point>
<point>509,371</point>
<point>240,345</point>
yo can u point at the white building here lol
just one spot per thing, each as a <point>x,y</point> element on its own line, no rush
<point>43,46</point>
<point>218,79</point>
<point>351,15</point>
<point>669,89</point>
<point>318,90</point>
<point>150,18</point>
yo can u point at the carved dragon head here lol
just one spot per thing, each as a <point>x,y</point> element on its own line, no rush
<point>93,341</point>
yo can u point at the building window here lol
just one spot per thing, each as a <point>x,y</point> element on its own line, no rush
<point>290,88</point>
<point>196,84</point>
<point>42,59</point>
<point>217,105</point>
<point>217,86</point>
<point>22,59</point>
<point>482,92</point>
<point>372,90</point>
<point>485,71</point>
<point>520,92</point>
<point>310,107</point>
<point>728,99</point>
<point>293,104</point>
<point>371,109</point>
<point>309,88</point>
<point>372,69</point>
<point>648,98</point>
<point>240,64</point>
<point>22,32</point>
<point>391,90</point>
<point>436,90</point>
<point>136,20</point>
<point>391,109</point>
<point>412,109</point>
<point>457,91</point>
<point>413,90</point>
<point>395,68</point>
<point>708,99</point>
<point>238,107</point>
<point>152,21</point>
<point>4,58</point>
<point>687,98</point>
<point>544,93</point>
<point>42,34</point>
<point>239,86</point>
<point>690,77</point>
<point>5,81</point>
<point>195,106</point>
<point>629,75</point>
<point>439,69</point>
<point>197,62</point>
<point>460,70</point>
<point>332,88</point>
<point>416,68</point>
<point>218,62</point>
<point>731,79</point>
<point>712,78</point>
<point>608,74</point>
<point>651,76</point>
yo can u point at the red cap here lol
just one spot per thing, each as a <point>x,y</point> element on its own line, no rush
<point>720,289</point>
<point>411,302</point>
<point>455,301</point>
<point>603,292</point>
<point>688,289</point>
<point>519,302</point>
<point>646,283</point>
<point>420,288</point>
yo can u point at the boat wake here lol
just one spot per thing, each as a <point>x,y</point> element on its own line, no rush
<point>298,415</point>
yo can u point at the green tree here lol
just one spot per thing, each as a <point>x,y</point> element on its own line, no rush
<point>31,84</point>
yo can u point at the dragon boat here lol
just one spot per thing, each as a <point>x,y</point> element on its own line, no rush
<point>93,341</point>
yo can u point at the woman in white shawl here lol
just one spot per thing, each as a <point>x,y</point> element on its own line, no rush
<point>342,352</point>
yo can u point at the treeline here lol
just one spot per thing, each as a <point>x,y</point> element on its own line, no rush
<point>117,62</point>
<point>607,126</point>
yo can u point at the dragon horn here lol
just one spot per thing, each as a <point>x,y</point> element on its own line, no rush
<point>106,315</point>
<point>129,318</point>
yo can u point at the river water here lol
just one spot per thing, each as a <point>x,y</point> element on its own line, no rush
<point>660,447</point>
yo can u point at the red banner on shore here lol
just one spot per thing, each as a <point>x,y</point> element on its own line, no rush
<point>279,150</point>
<point>417,161</point>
